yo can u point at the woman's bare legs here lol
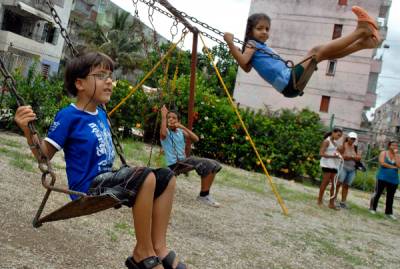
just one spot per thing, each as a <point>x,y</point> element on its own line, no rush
<point>326,176</point>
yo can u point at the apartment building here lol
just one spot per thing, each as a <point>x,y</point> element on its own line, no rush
<point>386,123</point>
<point>28,33</point>
<point>341,90</point>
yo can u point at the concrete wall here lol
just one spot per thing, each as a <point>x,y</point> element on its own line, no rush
<point>297,26</point>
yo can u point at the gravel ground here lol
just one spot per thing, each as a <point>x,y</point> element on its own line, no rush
<point>248,231</point>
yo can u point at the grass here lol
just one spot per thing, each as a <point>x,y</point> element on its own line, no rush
<point>19,160</point>
<point>135,150</point>
<point>10,143</point>
<point>232,179</point>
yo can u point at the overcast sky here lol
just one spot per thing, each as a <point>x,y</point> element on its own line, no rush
<point>233,19</point>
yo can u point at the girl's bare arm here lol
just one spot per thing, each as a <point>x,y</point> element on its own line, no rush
<point>243,59</point>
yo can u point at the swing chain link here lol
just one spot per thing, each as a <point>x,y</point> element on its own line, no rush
<point>174,29</point>
<point>63,31</point>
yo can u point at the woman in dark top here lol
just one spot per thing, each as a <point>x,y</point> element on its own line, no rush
<point>387,177</point>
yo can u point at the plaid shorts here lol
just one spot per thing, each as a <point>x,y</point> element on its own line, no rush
<point>203,166</point>
<point>124,184</point>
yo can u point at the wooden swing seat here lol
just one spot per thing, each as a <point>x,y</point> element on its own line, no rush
<point>306,76</point>
<point>82,206</point>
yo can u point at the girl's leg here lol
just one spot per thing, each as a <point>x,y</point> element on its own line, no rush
<point>390,191</point>
<point>345,191</point>
<point>330,49</point>
<point>364,43</point>
<point>161,215</point>
<point>142,212</point>
<point>324,183</point>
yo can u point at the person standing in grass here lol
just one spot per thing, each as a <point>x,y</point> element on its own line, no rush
<point>348,171</point>
<point>329,163</point>
<point>387,178</point>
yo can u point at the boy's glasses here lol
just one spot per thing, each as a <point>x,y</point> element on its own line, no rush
<point>103,76</point>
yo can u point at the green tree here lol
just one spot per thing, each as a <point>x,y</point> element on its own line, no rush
<point>119,42</point>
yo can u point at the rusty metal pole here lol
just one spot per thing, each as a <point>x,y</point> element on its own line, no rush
<point>193,64</point>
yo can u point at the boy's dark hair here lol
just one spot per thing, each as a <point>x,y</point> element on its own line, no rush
<point>176,113</point>
<point>80,67</point>
<point>252,21</point>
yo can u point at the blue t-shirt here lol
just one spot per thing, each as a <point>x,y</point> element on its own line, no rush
<point>274,71</point>
<point>86,140</point>
<point>390,175</point>
<point>171,151</point>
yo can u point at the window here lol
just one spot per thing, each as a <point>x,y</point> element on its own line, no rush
<point>337,31</point>
<point>324,107</point>
<point>331,69</point>
<point>342,2</point>
<point>45,70</point>
<point>50,33</point>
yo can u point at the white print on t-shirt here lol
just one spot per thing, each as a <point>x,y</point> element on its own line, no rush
<point>54,126</point>
<point>101,148</point>
<point>105,146</point>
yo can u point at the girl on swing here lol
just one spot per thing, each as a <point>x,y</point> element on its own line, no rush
<point>275,71</point>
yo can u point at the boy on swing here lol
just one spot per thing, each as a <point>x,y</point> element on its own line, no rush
<point>83,132</point>
<point>173,136</point>
<point>256,53</point>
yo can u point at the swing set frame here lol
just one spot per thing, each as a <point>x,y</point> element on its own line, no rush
<point>85,204</point>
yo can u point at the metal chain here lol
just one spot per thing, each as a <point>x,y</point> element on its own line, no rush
<point>63,31</point>
<point>174,29</point>
<point>288,63</point>
<point>139,29</point>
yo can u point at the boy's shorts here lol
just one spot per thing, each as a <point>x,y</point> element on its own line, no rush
<point>203,166</point>
<point>289,91</point>
<point>124,184</point>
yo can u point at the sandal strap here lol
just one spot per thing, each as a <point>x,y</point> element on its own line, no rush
<point>168,261</point>
<point>148,263</point>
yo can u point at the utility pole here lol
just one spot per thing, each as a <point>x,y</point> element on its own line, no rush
<point>331,122</point>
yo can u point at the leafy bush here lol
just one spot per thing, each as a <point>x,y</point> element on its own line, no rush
<point>45,96</point>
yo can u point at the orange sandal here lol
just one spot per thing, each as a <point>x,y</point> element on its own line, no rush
<point>362,15</point>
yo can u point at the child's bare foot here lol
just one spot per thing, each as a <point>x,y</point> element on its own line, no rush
<point>369,30</point>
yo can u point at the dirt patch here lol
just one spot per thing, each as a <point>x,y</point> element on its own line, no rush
<point>248,231</point>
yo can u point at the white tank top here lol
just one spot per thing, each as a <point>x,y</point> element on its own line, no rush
<point>330,162</point>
